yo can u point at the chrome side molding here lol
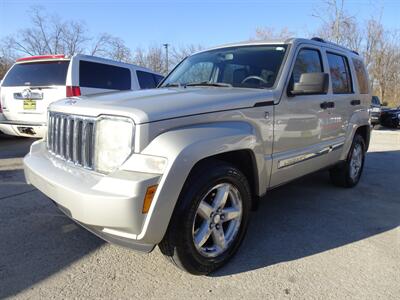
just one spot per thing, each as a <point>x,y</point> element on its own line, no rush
<point>306,156</point>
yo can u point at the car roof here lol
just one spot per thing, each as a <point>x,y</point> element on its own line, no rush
<point>61,57</point>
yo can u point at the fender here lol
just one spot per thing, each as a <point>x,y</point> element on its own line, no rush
<point>183,148</point>
<point>358,119</point>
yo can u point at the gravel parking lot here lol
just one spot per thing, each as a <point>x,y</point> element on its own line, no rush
<point>308,239</point>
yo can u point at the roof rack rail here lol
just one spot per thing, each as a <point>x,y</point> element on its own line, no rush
<point>288,40</point>
<point>321,40</point>
<point>318,39</point>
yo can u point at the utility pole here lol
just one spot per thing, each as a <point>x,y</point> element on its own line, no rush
<point>166,57</point>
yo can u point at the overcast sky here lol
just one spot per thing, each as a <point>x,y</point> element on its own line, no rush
<point>179,22</point>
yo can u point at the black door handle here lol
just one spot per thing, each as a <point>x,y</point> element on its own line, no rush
<point>355,102</point>
<point>325,105</point>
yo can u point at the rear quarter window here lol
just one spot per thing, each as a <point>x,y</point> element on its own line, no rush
<point>37,74</point>
<point>362,76</point>
<point>103,76</point>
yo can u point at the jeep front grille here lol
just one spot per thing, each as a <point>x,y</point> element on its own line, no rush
<point>71,138</point>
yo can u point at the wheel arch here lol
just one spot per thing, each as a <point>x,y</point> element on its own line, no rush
<point>365,132</point>
<point>245,161</point>
<point>358,124</point>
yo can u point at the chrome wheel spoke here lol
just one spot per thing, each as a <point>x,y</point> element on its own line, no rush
<point>205,210</point>
<point>221,196</point>
<point>230,214</point>
<point>202,235</point>
<point>218,236</point>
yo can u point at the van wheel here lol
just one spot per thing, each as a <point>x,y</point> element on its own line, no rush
<point>349,172</point>
<point>210,218</point>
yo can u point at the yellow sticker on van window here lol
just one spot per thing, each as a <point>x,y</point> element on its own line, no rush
<point>29,104</point>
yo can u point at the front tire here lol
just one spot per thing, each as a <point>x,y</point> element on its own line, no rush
<point>348,173</point>
<point>210,218</point>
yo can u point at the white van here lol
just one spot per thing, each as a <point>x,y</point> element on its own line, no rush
<point>32,83</point>
<point>1,110</point>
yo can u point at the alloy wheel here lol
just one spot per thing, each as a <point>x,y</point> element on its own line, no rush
<point>217,220</point>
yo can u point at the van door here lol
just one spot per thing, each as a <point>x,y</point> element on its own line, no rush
<point>302,140</point>
<point>29,88</point>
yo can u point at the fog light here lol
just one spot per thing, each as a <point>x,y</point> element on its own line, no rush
<point>148,198</point>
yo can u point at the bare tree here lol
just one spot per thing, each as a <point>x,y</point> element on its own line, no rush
<point>270,33</point>
<point>5,64</point>
<point>380,48</point>
<point>51,35</point>
<point>73,38</point>
<point>111,47</point>
<point>48,35</point>
<point>152,58</point>
<point>7,58</point>
<point>181,52</point>
<point>337,25</point>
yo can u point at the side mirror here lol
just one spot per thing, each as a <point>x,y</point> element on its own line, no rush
<point>311,84</point>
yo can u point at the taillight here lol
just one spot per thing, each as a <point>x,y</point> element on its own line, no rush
<point>73,91</point>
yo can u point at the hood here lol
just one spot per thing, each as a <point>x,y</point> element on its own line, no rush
<point>165,103</point>
<point>391,110</point>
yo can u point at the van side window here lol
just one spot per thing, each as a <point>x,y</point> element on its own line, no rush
<point>362,77</point>
<point>340,74</point>
<point>157,78</point>
<point>103,76</point>
<point>307,61</point>
<point>146,80</point>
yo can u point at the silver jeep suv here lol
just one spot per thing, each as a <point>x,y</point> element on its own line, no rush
<point>182,166</point>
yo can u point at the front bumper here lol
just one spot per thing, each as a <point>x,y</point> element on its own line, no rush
<point>108,205</point>
<point>374,116</point>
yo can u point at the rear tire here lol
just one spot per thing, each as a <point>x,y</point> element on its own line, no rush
<point>348,173</point>
<point>210,218</point>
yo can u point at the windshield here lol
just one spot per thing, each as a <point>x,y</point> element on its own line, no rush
<point>37,74</point>
<point>244,66</point>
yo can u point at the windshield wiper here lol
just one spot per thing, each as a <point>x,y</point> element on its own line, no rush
<point>207,83</point>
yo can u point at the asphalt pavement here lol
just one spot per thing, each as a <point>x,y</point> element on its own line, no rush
<point>308,240</point>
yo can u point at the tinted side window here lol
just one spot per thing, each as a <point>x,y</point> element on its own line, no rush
<point>157,78</point>
<point>307,61</point>
<point>146,80</point>
<point>97,75</point>
<point>362,77</point>
<point>340,74</point>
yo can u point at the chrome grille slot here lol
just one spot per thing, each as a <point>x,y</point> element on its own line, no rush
<point>71,138</point>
